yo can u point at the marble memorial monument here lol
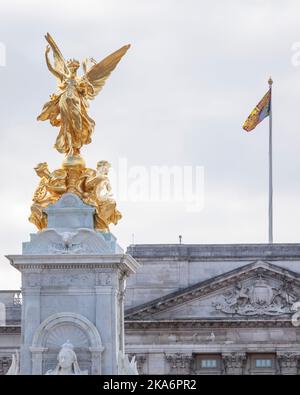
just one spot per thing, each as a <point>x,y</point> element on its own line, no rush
<point>73,271</point>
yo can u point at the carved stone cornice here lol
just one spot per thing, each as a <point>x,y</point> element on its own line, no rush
<point>198,324</point>
<point>186,324</point>
<point>215,252</point>
<point>123,262</point>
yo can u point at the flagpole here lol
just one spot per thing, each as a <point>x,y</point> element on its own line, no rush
<point>270,82</point>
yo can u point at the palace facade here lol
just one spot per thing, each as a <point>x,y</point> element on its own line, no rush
<point>201,309</point>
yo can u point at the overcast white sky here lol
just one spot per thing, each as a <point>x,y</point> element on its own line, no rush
<point>180,96</point>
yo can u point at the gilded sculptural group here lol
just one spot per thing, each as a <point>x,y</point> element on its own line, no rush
<point>67,109</point>
<point>92,186</point>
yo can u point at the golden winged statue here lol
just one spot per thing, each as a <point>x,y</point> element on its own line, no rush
<point>67,109</point>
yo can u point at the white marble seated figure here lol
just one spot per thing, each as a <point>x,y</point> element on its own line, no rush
<point>67,362</point>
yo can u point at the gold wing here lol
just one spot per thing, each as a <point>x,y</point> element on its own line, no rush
<point>59,61</point>
<point>99,73</point>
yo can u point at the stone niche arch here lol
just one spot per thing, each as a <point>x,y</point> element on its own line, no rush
<point>56,330</point>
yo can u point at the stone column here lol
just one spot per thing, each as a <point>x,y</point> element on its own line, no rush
<point>31,316</point>
<point>37,359</point>
<point>96,360</point>
<point>121,297</point>
<point>288,363</point>
<point>106,319</point>
<point>234,363</point>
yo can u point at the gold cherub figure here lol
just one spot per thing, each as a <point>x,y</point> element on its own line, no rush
<point>68,108</point>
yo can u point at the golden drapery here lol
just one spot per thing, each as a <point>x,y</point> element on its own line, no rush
<point>68,110</point>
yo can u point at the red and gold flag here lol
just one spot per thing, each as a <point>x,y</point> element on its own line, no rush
<point>260,112</point>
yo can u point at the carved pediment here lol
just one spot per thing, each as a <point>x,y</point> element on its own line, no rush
<point>260,295</point>
<point>259,289</point>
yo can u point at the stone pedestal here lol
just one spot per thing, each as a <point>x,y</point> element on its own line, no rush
<point>73,284</point>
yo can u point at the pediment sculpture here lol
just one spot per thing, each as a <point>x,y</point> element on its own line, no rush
<point>258,297</point>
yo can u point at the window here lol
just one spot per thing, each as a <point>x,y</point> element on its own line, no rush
<point>207,364</point>
<point>263,363</point>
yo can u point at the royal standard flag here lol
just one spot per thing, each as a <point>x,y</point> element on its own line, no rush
<point>260,112</point>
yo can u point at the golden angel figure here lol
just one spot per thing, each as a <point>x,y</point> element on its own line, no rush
<point>67,109</point>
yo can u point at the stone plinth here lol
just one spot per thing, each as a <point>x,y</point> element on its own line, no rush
<point>70,213</point>
<point>73,286</point>
<point>70,230</point>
